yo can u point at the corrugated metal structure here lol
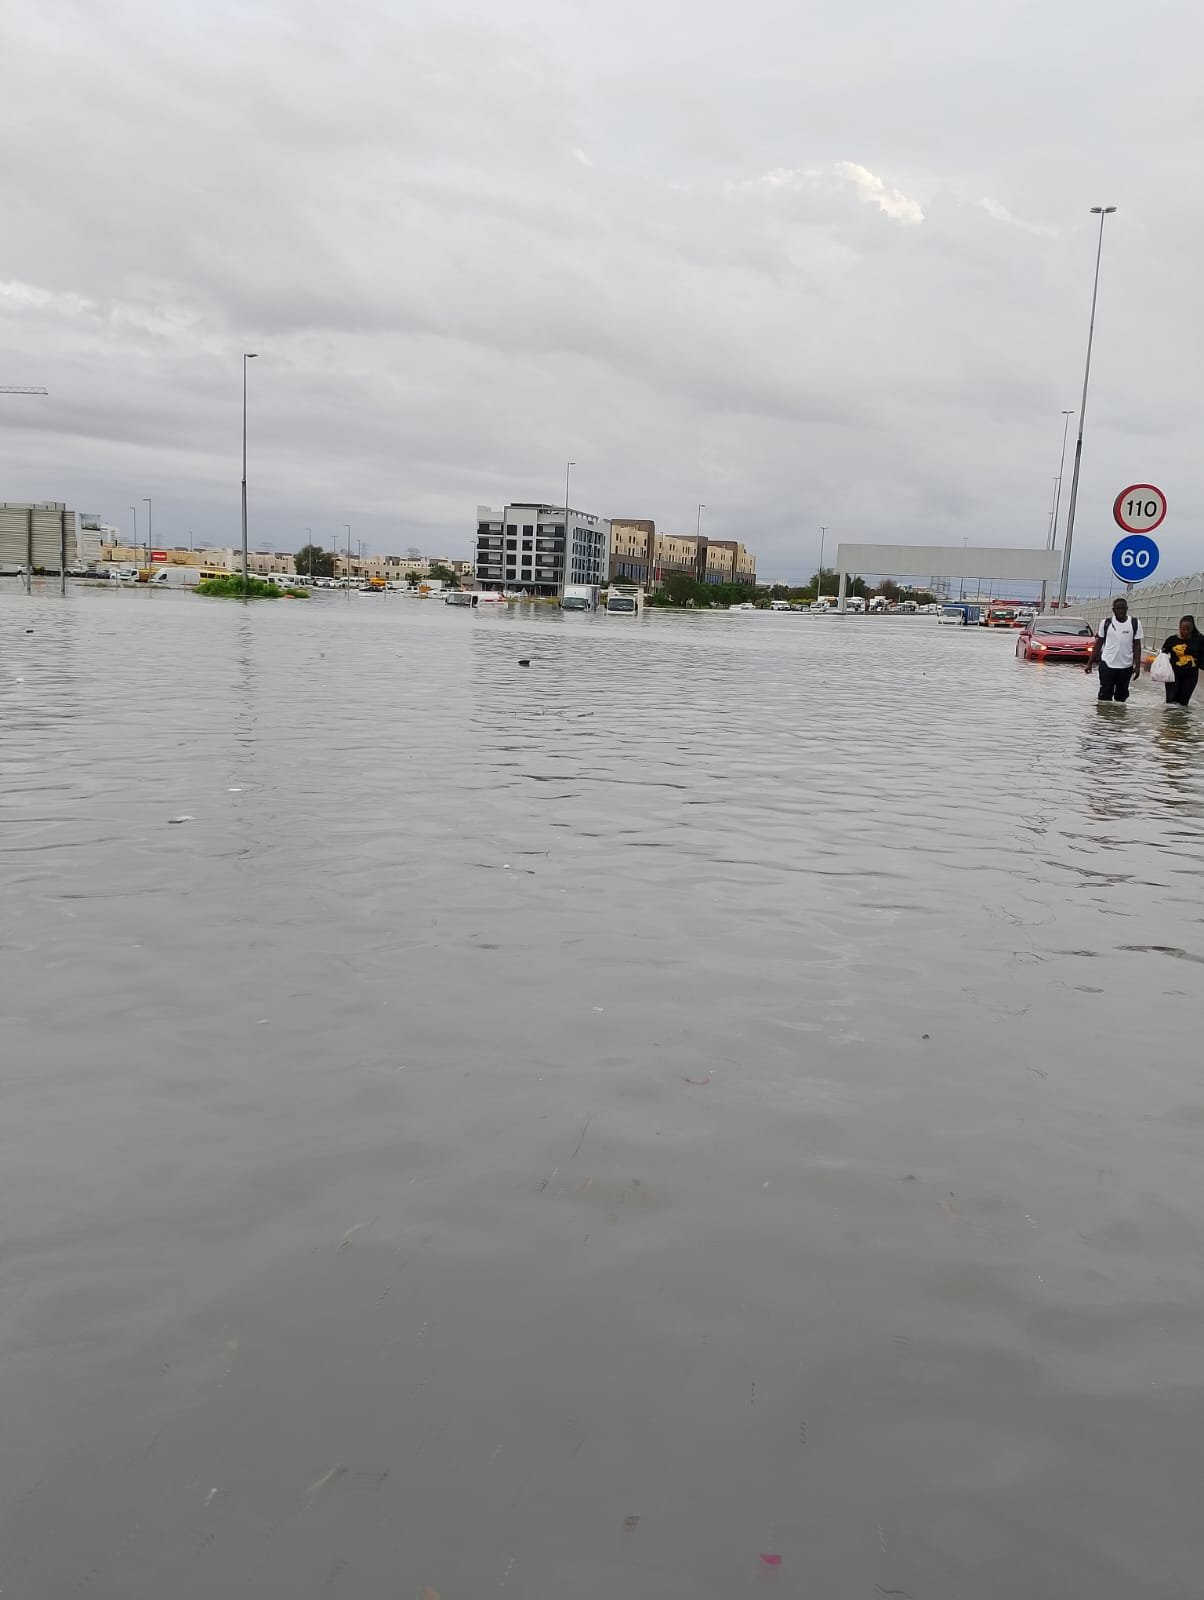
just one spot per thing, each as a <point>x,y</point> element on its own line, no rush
<point>1158,606</point>
<point>37,536</point>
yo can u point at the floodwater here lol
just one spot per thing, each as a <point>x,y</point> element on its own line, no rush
<point>731,1090</point>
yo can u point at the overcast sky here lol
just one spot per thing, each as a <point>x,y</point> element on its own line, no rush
<point>823,262</point>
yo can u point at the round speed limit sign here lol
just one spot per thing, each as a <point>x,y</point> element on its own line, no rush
<point>1139,509</point>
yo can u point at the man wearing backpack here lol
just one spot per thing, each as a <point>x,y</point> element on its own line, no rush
<point>1117,652</point>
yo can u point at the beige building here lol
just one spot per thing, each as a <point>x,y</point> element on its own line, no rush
<point>130,555</point>
<point>396,569</point>
<point>743,564</point>
<point>638,554</point>
<point>265,563</point>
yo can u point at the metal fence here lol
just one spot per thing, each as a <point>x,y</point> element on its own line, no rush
<point>1158,606</point>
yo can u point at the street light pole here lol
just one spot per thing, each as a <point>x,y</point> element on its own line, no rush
<point>568,541</point>
<point>248,355</point>
<point>819,576</point>
<point>150,527</point>
<point>1101,212</point>
<point>1053,521</point>
<point>134,547</point>
<point>347,525</point>
<point>698,524</point>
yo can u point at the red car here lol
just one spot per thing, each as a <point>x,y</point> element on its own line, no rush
<point>1057,639</point>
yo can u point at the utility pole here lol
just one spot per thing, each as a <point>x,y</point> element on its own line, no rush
<point>1102,212</point>
<point>248,355</point>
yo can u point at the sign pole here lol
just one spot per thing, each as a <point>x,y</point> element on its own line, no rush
<point>1102,212</point>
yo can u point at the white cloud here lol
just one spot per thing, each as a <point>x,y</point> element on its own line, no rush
<point>891,202</point>
<point>999,213</point>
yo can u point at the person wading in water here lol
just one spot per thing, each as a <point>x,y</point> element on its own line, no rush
<point>1117,652</point>
<point>1186,650</point>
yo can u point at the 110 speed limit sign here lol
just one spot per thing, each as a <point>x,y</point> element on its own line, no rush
<point>1139,509</point>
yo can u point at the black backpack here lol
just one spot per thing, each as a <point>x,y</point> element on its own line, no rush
<point>1109,620</point>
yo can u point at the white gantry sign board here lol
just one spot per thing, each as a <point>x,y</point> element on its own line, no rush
<point>949,561</point>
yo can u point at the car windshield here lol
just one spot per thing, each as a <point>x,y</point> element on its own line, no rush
<point>1077,627</point>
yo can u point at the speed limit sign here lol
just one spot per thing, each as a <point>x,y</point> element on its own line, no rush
<point>1139,509</point>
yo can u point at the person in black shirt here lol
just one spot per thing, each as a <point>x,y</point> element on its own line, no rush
<point>1186,650</point>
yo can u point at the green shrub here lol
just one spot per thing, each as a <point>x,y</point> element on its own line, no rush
<point>231,588</point>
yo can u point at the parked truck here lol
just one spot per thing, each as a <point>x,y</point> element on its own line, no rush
<point>580,597</point>
<point>625,599</point>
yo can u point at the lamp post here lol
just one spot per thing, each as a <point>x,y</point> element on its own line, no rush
<point>248,355</point>
<point>347,525</point>
<point>568,538</point>
<point>819,576</point>
<point>1053,521</point>
<point>134,546</point>
<point>150,527</point>
<point>1102,212</point>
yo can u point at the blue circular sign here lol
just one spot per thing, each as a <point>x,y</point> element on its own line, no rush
<point>1135,558</point>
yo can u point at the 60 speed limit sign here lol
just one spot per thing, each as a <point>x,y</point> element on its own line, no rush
<point>1139,509</point>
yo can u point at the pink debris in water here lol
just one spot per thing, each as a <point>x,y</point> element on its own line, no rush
<point>772,1561</point>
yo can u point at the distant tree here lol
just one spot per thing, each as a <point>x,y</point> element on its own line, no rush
<point>443,574</point>
<point>889,590</point>
<point>681,589</point>
<point>314,562</point>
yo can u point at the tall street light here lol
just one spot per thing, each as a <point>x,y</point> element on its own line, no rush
<point>1102,212</point>
<point>347,525</point>
<point>819,576</point>
<point>248,355</point>
<point>698,524</point>
<point>568,539</point>
<point>150,527</point>
<point>1053,521</point>
<point>134,546</point>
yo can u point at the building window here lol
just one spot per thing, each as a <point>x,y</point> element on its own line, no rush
<point>511,544</point>
<point>528,530</point>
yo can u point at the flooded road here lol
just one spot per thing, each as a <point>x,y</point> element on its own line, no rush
<point>715,1113</point>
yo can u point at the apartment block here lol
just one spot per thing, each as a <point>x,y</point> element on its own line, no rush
<point>528,545</point>
<point>638,554</point>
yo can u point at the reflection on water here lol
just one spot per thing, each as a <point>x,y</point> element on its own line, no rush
<point>726,1090</point>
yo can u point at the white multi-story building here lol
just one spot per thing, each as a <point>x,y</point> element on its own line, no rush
<point>92,534</point>
<point>525,546</point>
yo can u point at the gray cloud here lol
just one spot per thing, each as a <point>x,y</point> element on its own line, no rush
<point>809,266</point>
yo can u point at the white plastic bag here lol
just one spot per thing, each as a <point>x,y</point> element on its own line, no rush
<point>1162,670</point>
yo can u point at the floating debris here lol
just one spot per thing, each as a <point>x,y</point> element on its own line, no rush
<point>326,1480</point>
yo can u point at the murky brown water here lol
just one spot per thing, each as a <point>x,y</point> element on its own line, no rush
<point>729,1090</point>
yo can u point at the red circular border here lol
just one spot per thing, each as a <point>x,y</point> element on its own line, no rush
<point>1124,526</point>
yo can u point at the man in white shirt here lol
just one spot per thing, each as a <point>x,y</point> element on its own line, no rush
<point>1117,652</point>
